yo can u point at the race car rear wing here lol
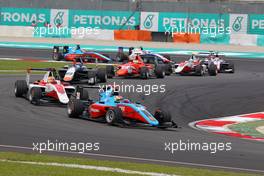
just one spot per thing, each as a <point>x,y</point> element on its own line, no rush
<point>209,53</point>
<point>40,69</point>
<point>56,49</point>
<point>48,70</point>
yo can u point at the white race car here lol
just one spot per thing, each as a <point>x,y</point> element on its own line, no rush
<point>49,89</point>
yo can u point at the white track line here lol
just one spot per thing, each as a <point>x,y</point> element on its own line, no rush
<point>143,159</point>
<point>89,167</point>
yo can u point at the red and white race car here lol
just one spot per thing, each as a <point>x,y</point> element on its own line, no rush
<point>49,89</point>
<point>195,66</point>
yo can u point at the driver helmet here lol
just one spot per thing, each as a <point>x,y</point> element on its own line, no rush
<point>135,61</point>
<point>50,79</point>
<point>118,98</point>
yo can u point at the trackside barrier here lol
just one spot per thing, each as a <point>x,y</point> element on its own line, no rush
<point>215,39</point>
<point>260,40</point>
<point>94,35</point>
<point>16,31</point>
<point>186,38</point>
<point>137,35</point>
<point>243,39</point>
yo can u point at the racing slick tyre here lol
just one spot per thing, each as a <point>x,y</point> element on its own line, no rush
<point>101,75</point>
<point>57,56</point>
<point>92,77</point>
<point>199,70</point>
<point>75,108</point>
<point>35,95</point>
<point>20,88</point>
<point>162,116</point>
<point>212,70</point>
<point>113,115</point>
<point>168,69</point>
<point>232,66</point>
<point>84,95</point>
<point>144,73</point>
<point>110,71</point>
<point>160,71</point>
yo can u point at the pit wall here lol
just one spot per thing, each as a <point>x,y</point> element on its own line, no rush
<point>239,29</point>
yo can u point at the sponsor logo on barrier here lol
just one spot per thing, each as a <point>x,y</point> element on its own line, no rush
<point>238,23</point>
<point>59,17</point>
<point>105,20</point>
<point>149,21</point>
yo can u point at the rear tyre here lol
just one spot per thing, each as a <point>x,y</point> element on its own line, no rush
<point>55,53</point>
<point>168,70</point>
<point>35,95</point>
<point>75,108</point>
<point>92,77</point>
<point>160,71</point>
<point>20,88</point>
<point>110,71</point>
<point>232,66</point>
<point>144,73</point>
<point>57,56</point>
<point>101,75</point>
<point>84,95</point>
<point>199,71</point>
<point>212,70</point>
<point>113,115</point>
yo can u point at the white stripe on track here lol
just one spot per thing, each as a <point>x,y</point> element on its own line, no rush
<point>143,159</point>
<point>89,167</point>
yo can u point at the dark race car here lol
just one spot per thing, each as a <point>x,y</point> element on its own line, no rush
<point>79,73</point>
<point>71,53</point>
<point>153,58</point>
<point>116,110</point>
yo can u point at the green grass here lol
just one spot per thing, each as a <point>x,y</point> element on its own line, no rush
<point>21,66</point>
<point>248,128</point>
<point>28,169</point>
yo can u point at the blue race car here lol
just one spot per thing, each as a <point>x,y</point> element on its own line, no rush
<point>114,109</point>
<point>72,53</point>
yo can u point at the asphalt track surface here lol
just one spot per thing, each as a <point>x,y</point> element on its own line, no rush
<point>188,98</point>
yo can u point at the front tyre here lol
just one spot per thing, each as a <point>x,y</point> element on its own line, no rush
<point>160,71</point>
<point>113,115</point>
<point>144,73</point>
<point>110,71</point>
<point>101,75</point>
<point>20,88</point>
<point>75,108</point>
<point>35,95</point>
<point>212,70</point>
<point>162,116</point>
